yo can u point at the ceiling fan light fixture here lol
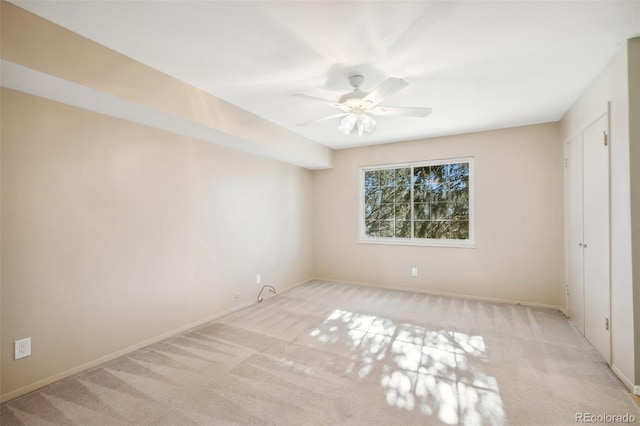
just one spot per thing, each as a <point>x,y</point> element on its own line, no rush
<point>347,124</point>
<point>362,122</point>
<point>365,125</point>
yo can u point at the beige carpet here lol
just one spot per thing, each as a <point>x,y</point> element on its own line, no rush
<point>335,354</point>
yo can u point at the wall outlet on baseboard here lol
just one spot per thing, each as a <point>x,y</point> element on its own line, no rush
<point>23,348</point>
<point>414,272</point>
<point>258,279</point>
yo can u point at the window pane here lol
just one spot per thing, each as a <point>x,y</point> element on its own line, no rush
<point>371,178</point>
<point>372,212</point>
<point>440,192</point>
<point>403,211</point>
<point>441,229</point>
<point>421,175</point>
<point>388,194</point>
<point>457,172</point>
<point>403,194</point>
<point>372,195</point>
<point>439,211</point>
<point>368,211</point>
<point>387,177</point>
<point>386,228</point>
<point>403,229</point>
<point>459,192</point>
<point>421,211</point>
<point>438,174</point>
<point>422,229</point>
<point>403,177</point>
<point>460,211</point>
<point>371,228</point>
<point>421,194</point>
<point>385,211</point>
<point>460,230</point>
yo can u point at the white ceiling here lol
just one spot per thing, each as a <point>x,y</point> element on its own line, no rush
<point>480,65</point>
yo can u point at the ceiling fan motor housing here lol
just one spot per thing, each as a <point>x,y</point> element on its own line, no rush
<point>354,99</point>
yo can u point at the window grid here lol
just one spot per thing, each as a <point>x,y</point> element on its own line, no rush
<point>424,201</point>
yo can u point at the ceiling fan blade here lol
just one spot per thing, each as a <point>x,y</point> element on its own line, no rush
<point>384,90</point>
<point>317,120</point>
<point>407,111</point>
<point>324,101</point>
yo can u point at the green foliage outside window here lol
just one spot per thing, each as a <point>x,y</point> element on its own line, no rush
<point>424,202</point>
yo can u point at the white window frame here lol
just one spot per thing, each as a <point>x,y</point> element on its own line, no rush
<point>433,242</point>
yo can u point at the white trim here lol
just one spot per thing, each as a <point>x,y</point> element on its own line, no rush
<point>453,295</point>
<point>469,243</point>
<point>565,312</point>
<point>96,362</point>
<point>292,286</point>
<point>432,162</point>
<point>419,242</point>
<point>624,379</point>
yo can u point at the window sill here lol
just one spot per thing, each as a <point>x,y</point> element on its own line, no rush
<point>430,243</point>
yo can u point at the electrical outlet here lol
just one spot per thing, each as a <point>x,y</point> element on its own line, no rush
<point>414,272</point>
<point>258,279</point>
<point>23,348</point>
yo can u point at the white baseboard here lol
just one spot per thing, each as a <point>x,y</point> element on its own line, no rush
<point>292,286</point>
<point>96,362</point>
<point>454,295</point>
<point>624,379</point>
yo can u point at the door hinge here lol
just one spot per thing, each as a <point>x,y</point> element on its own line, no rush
<point>566,163</point>
<point>605,136</point>
<point>606,323</point>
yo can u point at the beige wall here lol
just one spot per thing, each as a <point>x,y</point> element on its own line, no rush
<point>518,219</point>
<point>612,88</point>
<point>114,233</point>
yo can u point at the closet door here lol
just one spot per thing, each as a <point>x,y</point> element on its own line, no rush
<point>575,265</point>
<point>596,236</point>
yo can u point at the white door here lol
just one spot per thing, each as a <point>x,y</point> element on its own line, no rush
<point>596,236</point>
<point>575,276</point>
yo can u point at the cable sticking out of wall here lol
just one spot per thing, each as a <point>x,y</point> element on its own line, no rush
<point>270,288</point>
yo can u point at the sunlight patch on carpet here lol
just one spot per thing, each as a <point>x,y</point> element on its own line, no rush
<point>441,373</point>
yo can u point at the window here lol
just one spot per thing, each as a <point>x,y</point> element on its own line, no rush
<point>427,203</point>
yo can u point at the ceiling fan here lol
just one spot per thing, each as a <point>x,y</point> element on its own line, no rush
<point>358,106</point>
